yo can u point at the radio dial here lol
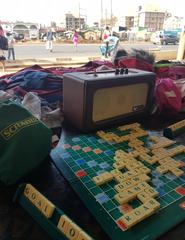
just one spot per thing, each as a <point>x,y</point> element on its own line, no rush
<point>122,71</point>
<point>117,71</point>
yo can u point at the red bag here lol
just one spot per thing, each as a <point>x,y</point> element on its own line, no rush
<point>131,62</point>
<point>168,96</point>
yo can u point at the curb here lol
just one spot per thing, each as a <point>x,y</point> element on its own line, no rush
<point>50,62</point>
<point>68,61</point>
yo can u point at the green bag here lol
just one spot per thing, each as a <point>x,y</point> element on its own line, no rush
<point>24,142</point>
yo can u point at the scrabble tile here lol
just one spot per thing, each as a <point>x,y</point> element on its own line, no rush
<point>152,203</point>
<point>140,178</point>
<point>63,224</point>
<point>73,231</point>
<point>162,169</point>
<point>120,178</point>
<point>145,170</point>
<point>39,201</point>
<point>123,185</point>
<point>120,153</point>
<point>129,219</point>
<point>136,189</point>
<point>98,180</point>
<point>119,165</point>
<point>131,173</point>
<point>140,214</point>
<point>143,196</point>
<point>143,185</point>
<point>115,172</point>
<point>123,197</point>
<point>151,192</point>
<point>146,210</point>
<point>103,178</point>
<point>177,172</point>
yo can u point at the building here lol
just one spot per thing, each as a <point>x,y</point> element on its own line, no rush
<point>173,22</point>
<point>73,22</point>
<point>29,30</point>
<point>150,17</point>
<point>129,22</point>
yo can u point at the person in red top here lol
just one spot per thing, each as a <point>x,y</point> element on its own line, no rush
<point>1,31</point>
<point>75,39</point>
<point>105,36</point>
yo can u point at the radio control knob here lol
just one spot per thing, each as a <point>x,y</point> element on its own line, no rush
<point>122,71</point>
<point>126,71</point>
<point>117,71</point>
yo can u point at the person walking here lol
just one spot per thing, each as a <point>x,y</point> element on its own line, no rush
<point>75,39</point>
<point>105,36</point>
<point>11,42</point>
<point>49,40</point>
<point>2,55</point>
<point>1,31</point>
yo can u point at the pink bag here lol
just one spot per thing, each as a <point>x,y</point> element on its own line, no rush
<point>168,96</point>
<point>177,72</point>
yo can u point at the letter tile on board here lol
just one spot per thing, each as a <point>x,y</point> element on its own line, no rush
<point>152,203</point>
<point>72,231</point>
<point>123,197</point>
<point>151,192</point>
<point>139,214</point>
<point>146,210</point>
<point>143,196</point>
<point>98,180</point>
<point>63,224</point>
<point>129,219</point>
<point>177,172</point>
<point>115,172</point>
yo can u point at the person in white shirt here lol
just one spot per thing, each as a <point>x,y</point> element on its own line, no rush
<point>11,42</point>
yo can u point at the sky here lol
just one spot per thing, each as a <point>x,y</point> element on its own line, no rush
<point>45,11</point>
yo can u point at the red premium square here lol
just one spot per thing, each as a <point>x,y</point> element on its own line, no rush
<point>97,151</point>
<point>87,149</point>
<point>121,225</point>
<point>125,208</point>
<point>81,173</point>
<point>65,146</point>
<point>76,147</point>
<point>180,190</point>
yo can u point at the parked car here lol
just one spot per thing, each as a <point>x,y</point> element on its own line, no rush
<point>158,38</point>
<point>18,36</point>
<point>33,36</point>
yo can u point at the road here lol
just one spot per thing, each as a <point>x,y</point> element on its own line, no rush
<point>38,51</point>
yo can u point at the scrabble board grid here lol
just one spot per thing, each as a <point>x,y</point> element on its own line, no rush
<point>90,153</point>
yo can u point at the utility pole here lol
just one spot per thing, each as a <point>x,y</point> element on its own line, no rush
<point>111,13</point>
<point>101,20</point>
<point>105,17</point>
<point>79,17</point>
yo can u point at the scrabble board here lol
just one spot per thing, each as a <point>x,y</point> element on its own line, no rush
<point>132,180</point>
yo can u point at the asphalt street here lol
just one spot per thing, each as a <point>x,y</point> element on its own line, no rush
<point>38,51</point>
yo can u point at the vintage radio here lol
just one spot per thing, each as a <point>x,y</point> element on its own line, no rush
<point>93,100</point>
